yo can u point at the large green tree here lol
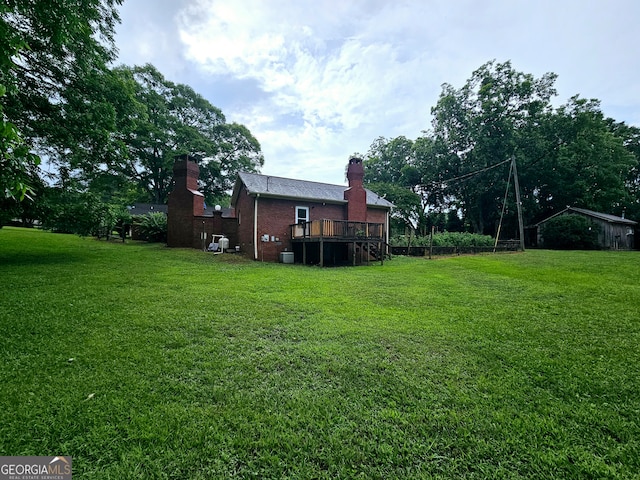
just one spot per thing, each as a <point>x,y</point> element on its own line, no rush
<point>630,137</point>
<point>45,47</point>
<point>570,155</point>
<point>406,172</point>
<point>589,165</point>
<point>174,120</point>
<point>481,125</point>
<point>386,166</point>
<point>17,163</point>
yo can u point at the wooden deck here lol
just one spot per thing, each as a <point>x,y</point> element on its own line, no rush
<point>337,230</point>
<point>359,241</point>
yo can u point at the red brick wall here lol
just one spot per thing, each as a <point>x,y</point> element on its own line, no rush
<point>376,215</point>
<point>275,217</point>
<point>244,217</point>
<point>215,225</point>
<point>183,205</point>
<point>180,218</point>
<point>356,197</point>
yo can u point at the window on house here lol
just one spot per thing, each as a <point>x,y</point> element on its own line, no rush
<point>302,214</point>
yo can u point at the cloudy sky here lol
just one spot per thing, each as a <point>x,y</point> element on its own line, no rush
<point>316,81</point>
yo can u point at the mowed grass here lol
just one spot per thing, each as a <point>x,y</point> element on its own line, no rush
<point>141,361</point>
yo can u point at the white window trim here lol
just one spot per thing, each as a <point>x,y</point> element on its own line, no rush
<point>302,208</point>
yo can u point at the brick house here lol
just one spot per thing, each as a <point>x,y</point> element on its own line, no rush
<point>317,223</point>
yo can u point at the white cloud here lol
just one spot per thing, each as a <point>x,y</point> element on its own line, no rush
<point>339,81</point>
<point>333,75</point>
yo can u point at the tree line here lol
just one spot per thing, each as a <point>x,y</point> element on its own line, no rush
<point>78,133</point>
<point>108,136</point>
<point>454,176</point>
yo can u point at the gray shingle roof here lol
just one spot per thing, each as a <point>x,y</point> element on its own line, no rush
<point>267,185</point>
<point>144,208</point>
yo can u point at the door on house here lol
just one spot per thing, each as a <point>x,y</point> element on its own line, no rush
<point>302,217</point>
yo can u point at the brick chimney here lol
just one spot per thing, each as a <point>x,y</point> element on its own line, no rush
<point>185,173</point>
<point>355,195</point>
<point>185,202</point>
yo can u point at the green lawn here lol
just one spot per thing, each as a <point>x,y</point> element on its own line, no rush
<point>141,361</point>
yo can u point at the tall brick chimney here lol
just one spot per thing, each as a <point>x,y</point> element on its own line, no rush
<point>185,202</point>
<point>355,195</point>
<point>185,173</point>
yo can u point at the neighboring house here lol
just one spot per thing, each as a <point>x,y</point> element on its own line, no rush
<point>616,233</point>
<point>270,216</point>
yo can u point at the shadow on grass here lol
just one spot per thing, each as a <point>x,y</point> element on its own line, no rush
<point>38,258</point>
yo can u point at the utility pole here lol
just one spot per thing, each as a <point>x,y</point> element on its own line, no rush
<point>518,204</point>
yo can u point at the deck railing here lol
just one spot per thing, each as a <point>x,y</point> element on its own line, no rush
<point>337,229</point>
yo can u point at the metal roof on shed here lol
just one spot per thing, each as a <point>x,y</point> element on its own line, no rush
<point>603,216</point>
<point>590,213</point>
<point>268,185</point>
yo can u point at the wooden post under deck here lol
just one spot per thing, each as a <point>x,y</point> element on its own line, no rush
<point>360,235</point>
<point>354,254</point>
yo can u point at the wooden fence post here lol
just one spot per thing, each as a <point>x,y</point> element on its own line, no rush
<point>431,242</point>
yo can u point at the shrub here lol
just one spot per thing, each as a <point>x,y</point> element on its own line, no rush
<point>445,239</point>
<point>152,227</point>
<point>454,239</point>
<point>570,232</point>
<point>122,220</point>
<point>82,213</point>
